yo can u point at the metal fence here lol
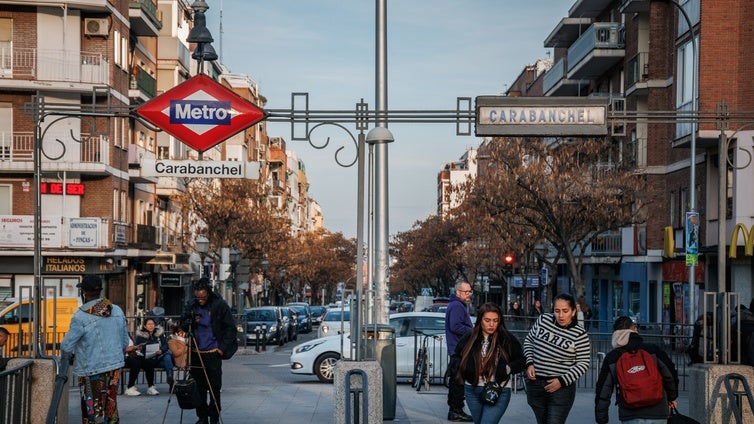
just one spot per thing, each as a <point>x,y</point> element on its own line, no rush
<point>15,394</point>
<point>674,345</point>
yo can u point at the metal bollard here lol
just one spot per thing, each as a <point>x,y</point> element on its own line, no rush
<point>358,394</point>
<point>257,331</point>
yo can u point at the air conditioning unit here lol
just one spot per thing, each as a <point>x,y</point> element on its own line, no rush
<point>96,27</point>
<point>123,263</point>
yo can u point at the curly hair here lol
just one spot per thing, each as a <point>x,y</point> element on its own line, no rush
<point>203,284</point>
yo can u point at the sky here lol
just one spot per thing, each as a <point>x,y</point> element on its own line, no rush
<point>437,51</point>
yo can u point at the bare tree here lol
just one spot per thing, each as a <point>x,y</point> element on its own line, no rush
<point>564,194</point>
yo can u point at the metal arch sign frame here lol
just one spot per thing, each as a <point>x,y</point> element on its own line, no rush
<point>201,113</point>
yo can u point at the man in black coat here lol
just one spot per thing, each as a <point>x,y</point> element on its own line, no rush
<point>626,338</point>
<point>210,323</point>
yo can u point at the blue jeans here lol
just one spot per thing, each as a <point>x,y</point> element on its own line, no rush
<point>549,408</point>
<point>645,421</point>
<point>167,362</point>
<point>481,412</point>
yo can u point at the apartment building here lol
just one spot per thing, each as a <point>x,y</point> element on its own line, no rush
<point>453,175</point>
<point>96,219</point>
<point>639,55</point>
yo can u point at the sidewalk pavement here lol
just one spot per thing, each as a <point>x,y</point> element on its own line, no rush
<point>250,395</point>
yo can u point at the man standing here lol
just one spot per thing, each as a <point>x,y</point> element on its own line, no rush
<point>626,339</point>
<point>213,330</point>
<point>3,339</point>
<point>457,323</point>
<point>97,340</point>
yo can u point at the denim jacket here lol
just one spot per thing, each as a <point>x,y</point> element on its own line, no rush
<point>98,337</point>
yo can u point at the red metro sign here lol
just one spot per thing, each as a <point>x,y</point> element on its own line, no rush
<point>201,112</point>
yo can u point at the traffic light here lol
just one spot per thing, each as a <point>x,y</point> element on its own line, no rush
<point>508,265</point>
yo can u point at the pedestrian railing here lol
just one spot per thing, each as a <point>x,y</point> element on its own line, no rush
<point>674,345</point>
<point>15,394</point>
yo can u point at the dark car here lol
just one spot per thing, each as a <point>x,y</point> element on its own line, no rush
<point>318,312</point>
<point>304,316</point>
<point>265,316</point>
<point>290,318</point>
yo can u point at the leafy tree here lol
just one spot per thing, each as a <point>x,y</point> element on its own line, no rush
<point>565,194</point>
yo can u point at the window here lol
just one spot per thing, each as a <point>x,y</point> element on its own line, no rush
<point>116,47</point>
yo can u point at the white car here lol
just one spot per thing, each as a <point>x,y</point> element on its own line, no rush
<point>318,356</point>
<point>335,321</point>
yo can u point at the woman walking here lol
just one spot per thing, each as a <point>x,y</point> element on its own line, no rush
<point>557,352</point>
<point>489,353</point>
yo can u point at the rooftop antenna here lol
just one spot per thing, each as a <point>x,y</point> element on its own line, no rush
<point>221,31</point>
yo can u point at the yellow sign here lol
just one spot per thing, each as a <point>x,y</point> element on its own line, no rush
<point>748,241</point>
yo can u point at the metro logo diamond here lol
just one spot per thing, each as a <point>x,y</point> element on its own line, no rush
<point>201,112</point>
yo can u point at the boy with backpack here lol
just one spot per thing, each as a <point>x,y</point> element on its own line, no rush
<point>645,377</point>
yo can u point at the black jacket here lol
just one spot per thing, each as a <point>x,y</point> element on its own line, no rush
<point>517,361</point>
<point>223,324</point>
<point>607,381</point>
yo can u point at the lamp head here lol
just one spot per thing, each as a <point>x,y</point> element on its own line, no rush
<point>379,135</point>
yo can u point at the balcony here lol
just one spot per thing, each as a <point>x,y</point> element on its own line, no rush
<point>555,83</point>
<point>598,49</point>
<point>634,6</point>
<point>136,154</point>
<point>588,8</point>
<point>567,31</point>
<point>17,152</point>
<point>142,85</point>
<point>147,237</point>
<point>607,244</point>
<point>144,17</point>
<point>171,48</point>
<point>637,75</point>
<point>20,65</point>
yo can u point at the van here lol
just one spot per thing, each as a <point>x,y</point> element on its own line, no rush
<point>18,320</point>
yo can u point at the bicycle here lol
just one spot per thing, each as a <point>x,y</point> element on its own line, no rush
<point>421,376</point>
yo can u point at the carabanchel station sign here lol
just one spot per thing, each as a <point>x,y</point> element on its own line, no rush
<point>541,116</point>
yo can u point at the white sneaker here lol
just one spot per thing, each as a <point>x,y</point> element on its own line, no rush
<point>152,391</point>
<point>132,391</point>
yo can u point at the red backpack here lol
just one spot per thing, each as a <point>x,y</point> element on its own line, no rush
<point>639,379</point>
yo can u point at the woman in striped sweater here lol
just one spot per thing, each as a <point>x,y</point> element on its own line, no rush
<point>557,351</point>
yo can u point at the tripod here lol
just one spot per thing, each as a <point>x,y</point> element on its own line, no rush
<point>190,388</point>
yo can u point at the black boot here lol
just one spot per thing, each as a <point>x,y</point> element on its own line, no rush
<point>458,415</point>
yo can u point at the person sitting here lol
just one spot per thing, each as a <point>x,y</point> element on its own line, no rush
<point>153,349</point>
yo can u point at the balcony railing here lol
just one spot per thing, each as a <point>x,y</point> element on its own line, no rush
<point>601,35</point>
<point>607,244</point>
<point>638,69</point>
<point>146,237</point>
<point>53,65</point>
<point>143,82</point>
<point>555,74</point>
<point>19,147</point>
<point>149,7</point>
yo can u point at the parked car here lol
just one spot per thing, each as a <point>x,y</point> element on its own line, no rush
<point>290,319</point>
<point>437,307</point>
<point>318,356</point>
<point>272,317</point>
<point>304,316</point>
<point>336,321</point>
<point>318,312</point>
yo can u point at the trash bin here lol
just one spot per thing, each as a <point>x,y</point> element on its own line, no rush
<point>379,345</point>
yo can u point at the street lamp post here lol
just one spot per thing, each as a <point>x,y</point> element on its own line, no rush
<point>202,246</point>
<point>234,259</point>
<point>265,286</point>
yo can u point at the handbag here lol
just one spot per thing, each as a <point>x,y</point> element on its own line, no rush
<point>491,392</point>
<point>187,394</point>
<point>678,418</point>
